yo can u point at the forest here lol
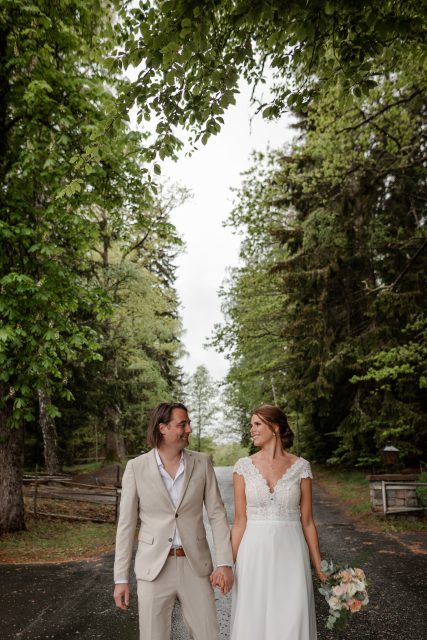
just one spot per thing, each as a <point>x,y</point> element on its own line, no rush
<point>326,314</point>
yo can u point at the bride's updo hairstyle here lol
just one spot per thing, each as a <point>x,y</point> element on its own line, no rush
<point>272,415</point>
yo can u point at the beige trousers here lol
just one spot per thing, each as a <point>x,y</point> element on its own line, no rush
<point>156,600</point>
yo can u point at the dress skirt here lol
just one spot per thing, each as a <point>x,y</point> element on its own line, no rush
<point>273,595</point>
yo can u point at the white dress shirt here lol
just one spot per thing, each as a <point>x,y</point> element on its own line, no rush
<point>173,487</point>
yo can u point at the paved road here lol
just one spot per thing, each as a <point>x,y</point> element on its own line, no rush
<point>74,600</point>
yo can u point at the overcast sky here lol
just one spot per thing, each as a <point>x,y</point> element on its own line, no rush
<point>210,173</point>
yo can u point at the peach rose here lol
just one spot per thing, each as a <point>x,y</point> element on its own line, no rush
<point>360,574</point>
<point>355,605</point>
<point>345,576</point>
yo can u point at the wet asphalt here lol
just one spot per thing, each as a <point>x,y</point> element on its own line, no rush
<point>74,600</point>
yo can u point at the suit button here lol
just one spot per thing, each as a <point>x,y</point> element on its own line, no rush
<point>176,515</point>
<point>170,539</point>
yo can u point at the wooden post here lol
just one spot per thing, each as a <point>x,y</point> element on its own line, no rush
<point>384,494</point>
<point>35,493</point>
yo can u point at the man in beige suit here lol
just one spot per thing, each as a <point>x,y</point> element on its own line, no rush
<point>167,488</point>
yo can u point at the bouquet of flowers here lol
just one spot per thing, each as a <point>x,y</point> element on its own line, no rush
<point>345,592</point>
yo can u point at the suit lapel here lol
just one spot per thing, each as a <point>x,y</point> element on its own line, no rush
<point>189,466</point>
<point>159,485</point>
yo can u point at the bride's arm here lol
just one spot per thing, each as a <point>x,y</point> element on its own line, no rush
<point>309,526</point>
<point>239,525</point>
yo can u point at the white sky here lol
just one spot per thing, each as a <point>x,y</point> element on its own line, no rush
<point>210,248</point>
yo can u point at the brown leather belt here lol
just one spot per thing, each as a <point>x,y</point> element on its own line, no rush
<point>177,551</point>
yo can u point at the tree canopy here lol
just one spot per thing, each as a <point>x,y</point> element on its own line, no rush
<point>87,305</point>
<point>190,56</point>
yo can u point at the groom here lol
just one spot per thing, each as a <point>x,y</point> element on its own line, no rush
<point>167,488</point>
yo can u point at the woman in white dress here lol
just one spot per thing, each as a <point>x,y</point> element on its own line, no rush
<point>273,537</point>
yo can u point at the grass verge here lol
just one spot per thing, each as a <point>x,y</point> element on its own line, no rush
<point>86,467</point>
<point>351,487</point>
<point>56,541</point>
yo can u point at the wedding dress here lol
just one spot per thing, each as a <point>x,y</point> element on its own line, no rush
<point>273,592</point>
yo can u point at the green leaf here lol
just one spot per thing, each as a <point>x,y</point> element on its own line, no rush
<point>53,411</point>
<point>5,333</point>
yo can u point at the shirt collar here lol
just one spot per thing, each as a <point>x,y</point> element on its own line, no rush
<point>159,460</point>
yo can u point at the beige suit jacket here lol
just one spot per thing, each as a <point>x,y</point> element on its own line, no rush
<point>144,494</point>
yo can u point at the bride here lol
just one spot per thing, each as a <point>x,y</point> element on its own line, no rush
<point>273,536</point>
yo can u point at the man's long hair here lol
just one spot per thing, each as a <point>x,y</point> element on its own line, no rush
<point>162,414</point>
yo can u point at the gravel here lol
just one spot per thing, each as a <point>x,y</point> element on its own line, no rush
<point>73,600</point>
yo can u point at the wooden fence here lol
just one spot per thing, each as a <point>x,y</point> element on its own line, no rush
<point>62,488</point>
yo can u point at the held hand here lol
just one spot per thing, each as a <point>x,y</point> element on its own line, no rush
<point>217,580</point>
<point>322,576</point>
<point>223,577</point>
<point>121,596</point>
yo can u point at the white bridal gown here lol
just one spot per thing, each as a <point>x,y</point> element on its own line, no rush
<point>273,594</point>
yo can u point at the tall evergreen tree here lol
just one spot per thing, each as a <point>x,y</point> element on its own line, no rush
<point>202,401</point>
<point>140,344</point>
<point>337,229</point>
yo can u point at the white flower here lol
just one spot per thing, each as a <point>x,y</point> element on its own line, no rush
<point>359,584</point>
<point>351,589</point>
<point>334,603</point>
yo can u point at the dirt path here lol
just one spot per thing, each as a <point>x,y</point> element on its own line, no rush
<point>73,600</point>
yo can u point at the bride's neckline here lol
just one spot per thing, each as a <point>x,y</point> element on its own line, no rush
<point>284,474</point>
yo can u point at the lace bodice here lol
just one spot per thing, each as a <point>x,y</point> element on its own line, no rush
<point>283,503</point>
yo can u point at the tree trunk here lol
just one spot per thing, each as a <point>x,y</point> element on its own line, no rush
<point>114,445</point>
<point>11,463</point>
<point>50,439</point>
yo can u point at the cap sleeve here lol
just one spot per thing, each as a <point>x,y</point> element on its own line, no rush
<point>239,467</point>
<point>306,470</point>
